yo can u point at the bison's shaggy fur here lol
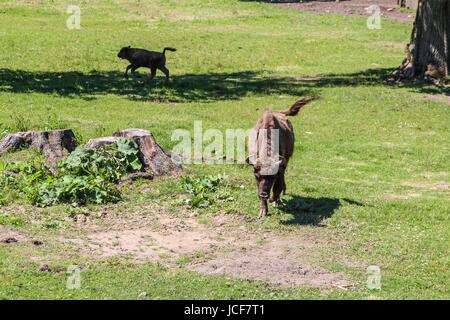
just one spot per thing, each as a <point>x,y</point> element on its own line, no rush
<point>269,165</point>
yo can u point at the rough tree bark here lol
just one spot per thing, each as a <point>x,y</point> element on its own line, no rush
<point>57,144</point>
<point>427,55</point>
<point>54,145</point>
<point>153,158</point>
<point>99,142</point>
<point>151,154</point>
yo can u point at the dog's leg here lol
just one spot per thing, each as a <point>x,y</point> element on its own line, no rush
<point>165,71</point>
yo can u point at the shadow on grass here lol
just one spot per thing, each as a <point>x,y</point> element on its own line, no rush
<point>370,77</point>
<point>190,87</point>
<point>181,88</point>
<point>312,211</point>
<point>277,1</point>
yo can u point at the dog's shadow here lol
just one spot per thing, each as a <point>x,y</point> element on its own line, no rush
<point>311,211</point>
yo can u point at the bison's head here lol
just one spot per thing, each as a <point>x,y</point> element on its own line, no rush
<point>123,53</point>
<point>265,171</point>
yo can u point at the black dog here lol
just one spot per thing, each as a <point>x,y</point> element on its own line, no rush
<point>143,58</point>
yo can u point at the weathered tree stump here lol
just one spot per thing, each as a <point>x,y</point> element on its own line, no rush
<point>57,144</point>
<point>151,154</point>
<point>54,145</point>
<point>99,142</point>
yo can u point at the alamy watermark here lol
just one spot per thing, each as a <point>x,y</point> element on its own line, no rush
<point>374,277</point>
<point>74,278</point>
<point>374,21</point>
<point>213,146</point>
<point>74,19</point>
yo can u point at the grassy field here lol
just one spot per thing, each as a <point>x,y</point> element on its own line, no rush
<point>370,175</point>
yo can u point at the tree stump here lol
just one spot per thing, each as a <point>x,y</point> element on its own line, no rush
<point>99,142</point>
<point>54,145</point>
<point>151,154</point>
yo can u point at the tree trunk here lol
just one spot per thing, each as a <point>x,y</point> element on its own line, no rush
<point>427,56</point>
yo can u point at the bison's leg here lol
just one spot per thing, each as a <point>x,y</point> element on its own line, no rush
<point>165,71</point>
<point>264,209</point>
<point>278,187</point>
<point>152,73</point>
<point>284,186</point>
<point>133,70</point>
<point>126,70</point>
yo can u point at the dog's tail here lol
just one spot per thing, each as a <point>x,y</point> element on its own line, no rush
<point>293,111</point>
<point>169,49</point>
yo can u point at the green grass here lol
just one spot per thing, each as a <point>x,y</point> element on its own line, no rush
<point>370,161</point>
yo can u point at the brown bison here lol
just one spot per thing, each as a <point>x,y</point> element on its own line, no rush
<point>271,144</point>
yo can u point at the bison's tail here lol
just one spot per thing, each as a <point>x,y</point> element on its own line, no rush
<point>293,111</point>
<point>169,49</point>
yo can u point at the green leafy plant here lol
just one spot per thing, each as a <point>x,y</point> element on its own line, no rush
<point>202,190</point>
<point>126,153</point>
<point>7,219</point>
<point>75,190</point>
<point>51,224</point>
<point>16,176</point>
<point>85,176</point>
<point>110,162</point>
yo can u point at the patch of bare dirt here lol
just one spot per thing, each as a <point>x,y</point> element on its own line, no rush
<point>9,236</point>
<point>406,196</point>
<point>278,260</point>
<point>167,238</point>
<point>388,8</point>
<point>148,235</point>
<point>229,244</point>
<point>438,98</point>
<point>431,175</point>
<point>306,79</point>
<point>428,186</point>
<point>386,45</point>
